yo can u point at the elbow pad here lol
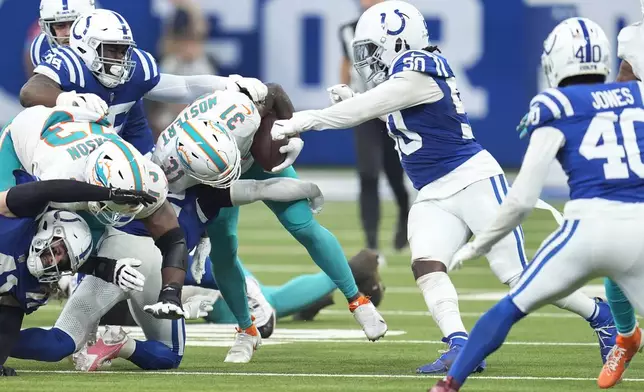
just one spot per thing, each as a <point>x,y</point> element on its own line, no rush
<point>174,249</point>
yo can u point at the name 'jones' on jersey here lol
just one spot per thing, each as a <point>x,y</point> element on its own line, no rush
<point>603,126</point>
<point>434,138</point>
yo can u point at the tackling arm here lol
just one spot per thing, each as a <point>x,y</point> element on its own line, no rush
<point>521,199</point>
<point>405,90</point>
<point>185,89</point>
<point>39,90</point>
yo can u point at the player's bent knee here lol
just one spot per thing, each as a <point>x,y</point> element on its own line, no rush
<point>424,266</point>
<point>154,355</point>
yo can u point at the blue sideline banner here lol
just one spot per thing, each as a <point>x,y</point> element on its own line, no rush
<point>493,46</point>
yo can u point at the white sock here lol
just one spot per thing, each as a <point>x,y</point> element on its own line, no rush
<point>128,348</point>
<point>442,302</point>
<point>576,302</point>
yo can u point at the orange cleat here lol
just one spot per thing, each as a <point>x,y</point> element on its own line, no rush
<point>619,358</point>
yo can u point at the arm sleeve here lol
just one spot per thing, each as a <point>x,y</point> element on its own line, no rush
<point>522,197</point>
<point>410,89</point>
<point>185,89</point>
<point>274,189</point>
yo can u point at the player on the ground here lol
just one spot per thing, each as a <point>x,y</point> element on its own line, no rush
<point>630,47</point>
<point>595,131</point>
<point>38,247</point>
<point>197,207</point>
<point>460,184</point>
<point>239,116</point>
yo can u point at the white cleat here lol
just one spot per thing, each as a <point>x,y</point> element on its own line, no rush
<point>366,314</point>
<point>261,309</point>
<point>246,342</point>
<point>106,348</point>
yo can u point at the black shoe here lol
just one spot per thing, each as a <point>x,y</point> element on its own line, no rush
<point>309,313</point>
<point>7,371</point>
<point>267,329</point>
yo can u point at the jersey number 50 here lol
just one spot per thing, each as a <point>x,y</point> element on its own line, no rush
<point>603,126</point>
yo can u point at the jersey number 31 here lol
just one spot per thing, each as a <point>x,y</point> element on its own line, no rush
<point>603,126</point>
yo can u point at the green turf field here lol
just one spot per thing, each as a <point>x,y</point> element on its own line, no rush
<point>550,351</point>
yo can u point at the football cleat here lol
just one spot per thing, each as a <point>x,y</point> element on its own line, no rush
<point>106,348</point>
<point>447,358</point>
<point>262,311</point>
<point>246,342</point>
<point>604,327</point>
<point>366,314</point>
<point>446,385</point>
<point>619,358</point>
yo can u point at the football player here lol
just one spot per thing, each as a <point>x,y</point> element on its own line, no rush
<point>38,247</point>
<point>186,162</point>
<point>630,43</point>
<point>460,184</point>
<point>595,132</point>
<point>196,207</point>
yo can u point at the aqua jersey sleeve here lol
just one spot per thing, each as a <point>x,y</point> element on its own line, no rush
<point>39,47</point>
<point>421,61</point>
<point>547,107</point>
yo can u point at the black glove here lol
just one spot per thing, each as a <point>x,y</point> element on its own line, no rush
<point>124,196</point>
<point>171,294</point>
<point>7,371</point>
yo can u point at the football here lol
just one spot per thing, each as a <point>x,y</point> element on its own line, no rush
<point>265,150</point>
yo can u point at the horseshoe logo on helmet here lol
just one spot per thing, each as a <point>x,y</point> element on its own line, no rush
<point>403,22</point>
<point>84,31</point>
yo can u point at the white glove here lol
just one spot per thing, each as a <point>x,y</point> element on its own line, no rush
<point>165,310</point>
<point>339,93</point>
<point>198,306</point>
<point>316,201</point>
<point>127,277</point>
<point>292,151</point>
<point>284,128</point>
<point>88,101</point>
<point>467,252</point>
<point>198,267</point>
<point>255,88</point>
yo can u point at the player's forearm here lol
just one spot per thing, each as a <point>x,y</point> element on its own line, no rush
<point>395,94</point>
<point>39,90</point>
<point>526,188</point>
<point>185,89</point>
<point>274,189</point>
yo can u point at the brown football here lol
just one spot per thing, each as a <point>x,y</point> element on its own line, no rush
<point>264,149</point>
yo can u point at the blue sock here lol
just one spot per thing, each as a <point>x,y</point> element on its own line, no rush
<point>154,355</point>
<point>207,280</point>
<point>48,345</point>
<point>298,293</point>
<point>620,307</point>
<point>326,252</point>
<point>486,337</point>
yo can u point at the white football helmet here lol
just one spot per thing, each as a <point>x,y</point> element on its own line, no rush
<point>59,232</point>
<point>115,165</point>
<point>208,153</point>
<point>91,33</point>
<point>61,11</point>
<point>383,32</point>
<point>577,46</point>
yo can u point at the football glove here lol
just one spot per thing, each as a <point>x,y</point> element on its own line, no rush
<point>339,93</point>
<point>198,267</point>
<point>88,101</point>
<point>168,305</point>
<point>198,306</point>
<point>253,88</point>
<point>292,151</point>
<point>127,277</point>
<point>132,197</point>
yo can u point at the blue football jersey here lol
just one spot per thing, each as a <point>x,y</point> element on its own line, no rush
<point>603,126</point>
<point>15,238</point>
<point>39,47</point>
<point>196,208</point>
<point>432,139</point>
<point>126,114</point>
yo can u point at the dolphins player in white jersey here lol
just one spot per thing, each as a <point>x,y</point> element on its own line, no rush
<point>594,130</point>
<point>460,184</point>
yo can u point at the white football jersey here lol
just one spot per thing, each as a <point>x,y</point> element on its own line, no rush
<point>233,110</point>
<point>630,47</point>
<point>55,143</point>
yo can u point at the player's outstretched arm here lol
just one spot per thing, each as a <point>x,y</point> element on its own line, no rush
<point>30,199</point>
<point>39,90</point>
<point>276,189</point>
<point>521,199</point>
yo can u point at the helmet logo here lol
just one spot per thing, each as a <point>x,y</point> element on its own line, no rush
<point>403,22</point>
<point>84,31</point>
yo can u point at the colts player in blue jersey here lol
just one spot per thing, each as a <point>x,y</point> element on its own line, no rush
<point>596,132</point>
<point>103,60</point>
<point>460,184</point>
<point>38,247</point>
